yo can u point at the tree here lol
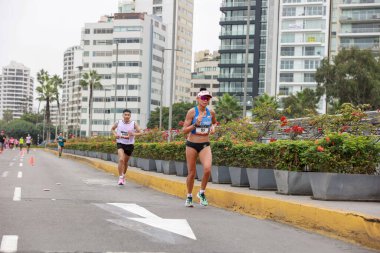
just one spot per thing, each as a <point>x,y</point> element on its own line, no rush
<point>91,80</point>
<point>302,104</point>
<point>264,112</point>
<point>353,77</point>
<point>34,118</point>
<point>227,108</point>
<point>45,93</point>
<point>7,115</point>
<point>57,82</point>
<point>179,114</point>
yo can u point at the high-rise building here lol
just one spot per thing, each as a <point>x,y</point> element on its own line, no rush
<point>71,91</point>
<point>205,75</point>
<point>233,47</point>
<point>303,43</point>
<point>355,23</point>
<point>183,35</point>
<point>16,90</point>
<point>126,51</point>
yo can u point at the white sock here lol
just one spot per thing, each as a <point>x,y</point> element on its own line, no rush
<point>189,195</point>
<point>202,191</point>
<point>121,176</point>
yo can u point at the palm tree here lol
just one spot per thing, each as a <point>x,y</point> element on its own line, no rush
<point>302,104</point>
<point>228,108</point>
<point>91,80</point>
<point>45,93</point>
<point>57,82</point>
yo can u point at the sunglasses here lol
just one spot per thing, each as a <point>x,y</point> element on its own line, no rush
<point>205,98</point>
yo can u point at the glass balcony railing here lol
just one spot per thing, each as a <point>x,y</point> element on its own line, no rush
<point>360,1</point>
<point>362,30</point>
<point>370,45</point>
<point>223,33</point>
<point>232,47</point>
<point>360,17</point>
<point>236,18</point>
<point>237,3</point>
<point>237,75</point>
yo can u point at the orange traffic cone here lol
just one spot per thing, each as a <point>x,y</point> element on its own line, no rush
<point>31,161</point>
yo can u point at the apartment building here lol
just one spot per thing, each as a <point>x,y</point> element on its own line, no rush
<point>205,75</point>
<point>233,48</point>
<point>355,23</point>
<point>16,90</point>
<point>183,36</point>
<point>126,51</point>
<point>303,42</point>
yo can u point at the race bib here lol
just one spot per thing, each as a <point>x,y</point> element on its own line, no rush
<point>125,134</point>
<point>202,130</point>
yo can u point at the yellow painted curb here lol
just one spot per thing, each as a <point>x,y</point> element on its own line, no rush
<point>349,226</point>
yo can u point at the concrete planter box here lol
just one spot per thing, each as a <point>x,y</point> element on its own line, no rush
<point>69,151</point>
<point>105,156</point>
<point>159,166</point>
<point>133,161</point>
<point>114,158</point>
<point>261,179</point>
<point>168,167</point>
<point>181,168</point>
<point>147,164</point>
<point>199,173</point>
<point>220,174</point>
<point>353,187</point>
<point>238,176</point>
<point>293,182</point>
<point>92,154</point>
<point>81,152</point>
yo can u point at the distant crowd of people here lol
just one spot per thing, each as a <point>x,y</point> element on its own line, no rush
<point>13,143</point>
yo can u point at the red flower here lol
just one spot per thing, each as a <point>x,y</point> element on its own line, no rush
<point>328,139</point>
<point>344,128</point>
<point>283,118</point>
<point>320,149</point>
<point>284,123</point>
<point>272,140</point>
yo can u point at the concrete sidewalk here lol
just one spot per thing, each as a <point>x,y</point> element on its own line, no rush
<point>356,222</point>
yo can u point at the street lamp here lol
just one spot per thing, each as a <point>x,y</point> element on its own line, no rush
<point>246,59</point>
<point>104,111</point>
<point>126,92</point>
<point>117,64</point>
<point>77,121</point>
<point>162,81</point>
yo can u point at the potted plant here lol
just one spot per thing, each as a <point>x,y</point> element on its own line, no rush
<point>290,175</point>
<point>344,167</point>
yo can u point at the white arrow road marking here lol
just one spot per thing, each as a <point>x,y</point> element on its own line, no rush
<point>11,164</point>
<point>19,175</point>
<point>17,194</point>
<point>177,226</point>
<point>9,243</point>
<point>5,174</point>
<point>20,164</point>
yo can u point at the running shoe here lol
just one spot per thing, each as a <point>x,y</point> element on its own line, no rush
<point>189,202</point>
<point>121,181</point>
<point>202,199</point>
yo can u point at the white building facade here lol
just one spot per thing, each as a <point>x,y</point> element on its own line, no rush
<point>71,91</point>
<point>183,33</point>
<point>16,90</point>
<point>135,68</point>
<point>302,44</point>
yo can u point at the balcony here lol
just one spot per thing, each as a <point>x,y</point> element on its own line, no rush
<point>359,31</point>
<point>237,3</point>
<point>361,1</point>
<point>234,47</point>
<point>370,45</point>
<point>360,17</point>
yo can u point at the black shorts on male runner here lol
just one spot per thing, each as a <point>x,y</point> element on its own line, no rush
<point>128,148</point>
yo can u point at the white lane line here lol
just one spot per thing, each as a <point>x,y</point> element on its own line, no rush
<point>19,175</point>
<point>11,164</point>
<point>17,194</point>
<point>9,243</point>
<point>20,164</point>
<point>5,174</point>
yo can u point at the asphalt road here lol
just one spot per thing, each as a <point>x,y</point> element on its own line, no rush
<point>60,205</point>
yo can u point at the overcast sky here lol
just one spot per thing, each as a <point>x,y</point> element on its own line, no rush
<point>37,32</point>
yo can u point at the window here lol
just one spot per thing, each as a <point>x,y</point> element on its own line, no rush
<point>309,77</point>
<point>87,31</point>
<point>103,31</point>
<point>309,51</point>
<point>286,77</point>
<point>287,51</point>
<point>287,37</point>
<point>289,11</point>
<point>311,64</point>
<point>287,64</point>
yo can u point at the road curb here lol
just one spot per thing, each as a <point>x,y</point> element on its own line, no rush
<point>349,226</point>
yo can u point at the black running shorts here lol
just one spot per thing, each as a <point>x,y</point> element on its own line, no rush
<point>128,148</point>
